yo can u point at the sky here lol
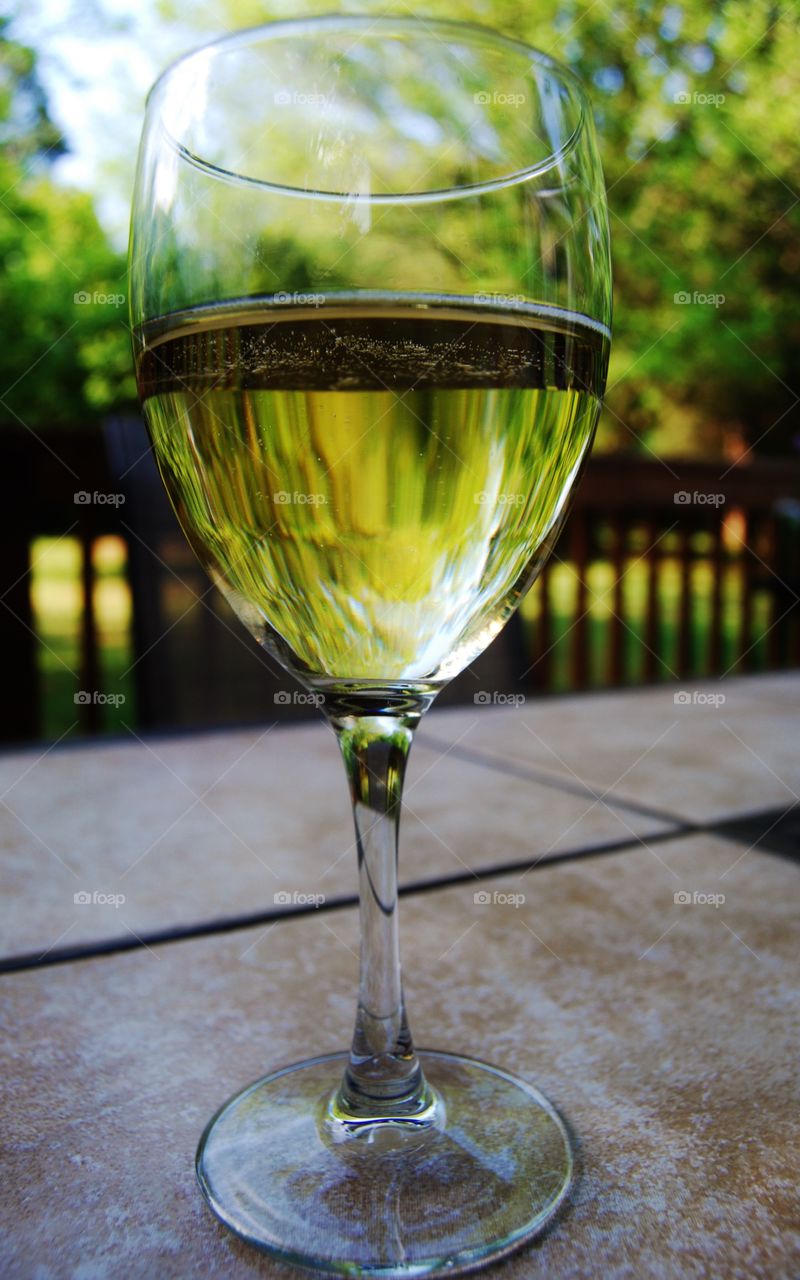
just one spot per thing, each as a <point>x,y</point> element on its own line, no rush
<point>96,64</point>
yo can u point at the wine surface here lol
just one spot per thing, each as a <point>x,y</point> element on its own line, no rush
<point>372,484</point>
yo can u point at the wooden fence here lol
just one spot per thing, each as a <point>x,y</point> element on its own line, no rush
<point>742,521</point>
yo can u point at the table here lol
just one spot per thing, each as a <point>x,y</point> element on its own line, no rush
<point>664,1028</point>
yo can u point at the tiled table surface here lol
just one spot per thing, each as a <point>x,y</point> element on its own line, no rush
<point>666,1031</point>
<point>192,829</point>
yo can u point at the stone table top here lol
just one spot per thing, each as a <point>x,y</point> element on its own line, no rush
<point>646,979</point>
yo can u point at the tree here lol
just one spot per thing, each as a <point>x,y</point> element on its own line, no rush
<point>695,106</point>
<point>64,347</point>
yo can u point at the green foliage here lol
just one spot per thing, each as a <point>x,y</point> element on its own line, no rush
<point>696,110</point>
<point>64,351</point>
<point>26,130</point>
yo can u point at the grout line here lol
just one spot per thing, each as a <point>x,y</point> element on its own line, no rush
<point>184,933</point>
<point>498,764</point>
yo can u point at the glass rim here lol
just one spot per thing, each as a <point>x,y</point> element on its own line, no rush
<point>335,21</point>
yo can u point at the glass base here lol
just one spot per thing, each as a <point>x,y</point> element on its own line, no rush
<point>483,1173</point>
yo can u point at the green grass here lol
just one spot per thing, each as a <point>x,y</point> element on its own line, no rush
<point>57,600</point>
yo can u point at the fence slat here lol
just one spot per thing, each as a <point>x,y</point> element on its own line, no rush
<point>776,604</point>
<point>746,572</point>
<point>786,565</point>
<point>89,712</point>
<point>542,671</point>
<point>580,632</point>
<point>685,554</point>
<point>652,624</point>
<point>620,536</point>
<point>717,583</point>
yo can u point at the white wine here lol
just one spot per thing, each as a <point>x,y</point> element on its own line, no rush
<point>372,482</point>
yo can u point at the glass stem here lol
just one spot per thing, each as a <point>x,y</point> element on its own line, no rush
<point>383,1079</point>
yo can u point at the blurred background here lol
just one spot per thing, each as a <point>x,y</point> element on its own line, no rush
<point>680,557</point>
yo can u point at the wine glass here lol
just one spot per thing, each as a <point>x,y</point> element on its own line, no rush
<point>370,292</point>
